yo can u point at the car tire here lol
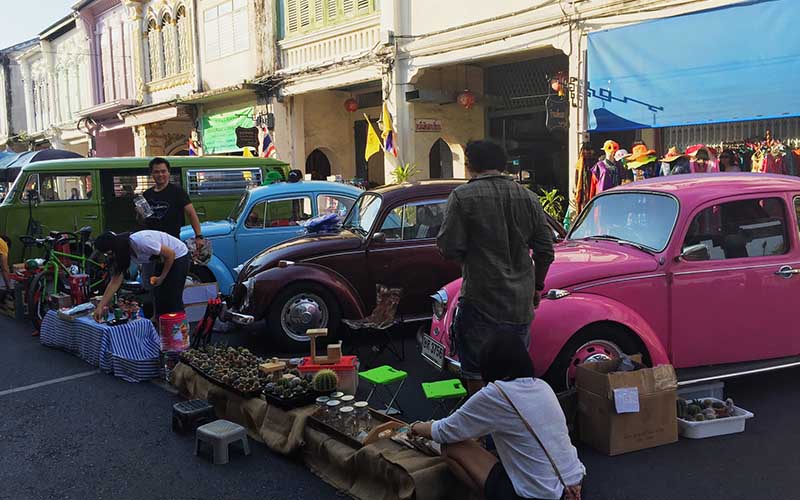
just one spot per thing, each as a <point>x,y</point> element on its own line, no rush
<point>201,274</point>
<point>309,297</point>
<point>594,343</point>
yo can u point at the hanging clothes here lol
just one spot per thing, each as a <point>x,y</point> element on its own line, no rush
<point>605,175</point>
<point>583,182</point>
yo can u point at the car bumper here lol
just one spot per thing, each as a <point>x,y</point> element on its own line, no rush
<point>236,317</point>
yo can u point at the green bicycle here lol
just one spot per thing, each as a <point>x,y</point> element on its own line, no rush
<point>51,272</point>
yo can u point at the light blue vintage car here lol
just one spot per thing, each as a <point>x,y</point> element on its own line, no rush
<point>263,217</point>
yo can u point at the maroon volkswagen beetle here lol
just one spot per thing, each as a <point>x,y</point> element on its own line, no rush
<point>388,237</point>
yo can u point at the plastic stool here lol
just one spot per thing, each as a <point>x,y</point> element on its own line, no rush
<point>443,391</point>
<point>384,376</point>
<point>219,434</point>
<point>189,415</point>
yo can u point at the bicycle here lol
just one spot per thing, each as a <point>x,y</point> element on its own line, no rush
<point>50,274</point>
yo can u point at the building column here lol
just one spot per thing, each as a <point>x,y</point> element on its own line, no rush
<point>54,113</point>
<point>28,89</point>
<point>86,26</point>
<point>394,19</point>
<point>149,140</point>
<point>577,102</point>
<point>135,17</point>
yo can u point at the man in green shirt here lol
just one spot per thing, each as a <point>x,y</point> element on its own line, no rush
<point>493,226</point>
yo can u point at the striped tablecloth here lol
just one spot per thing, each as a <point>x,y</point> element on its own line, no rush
<point>130,351</point>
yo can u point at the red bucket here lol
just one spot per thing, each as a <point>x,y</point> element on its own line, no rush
<point>174,330</point>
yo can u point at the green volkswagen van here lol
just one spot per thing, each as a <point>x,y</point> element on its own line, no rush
<point>98,192</point>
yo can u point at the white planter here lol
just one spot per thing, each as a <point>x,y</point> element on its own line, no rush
<point>716,427</point>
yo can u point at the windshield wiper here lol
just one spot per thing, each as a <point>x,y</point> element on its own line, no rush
<point>609,237</point>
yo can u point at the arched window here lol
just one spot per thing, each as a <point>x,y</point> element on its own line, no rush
<point>154,50</point>
<point>184,44</point>
<point>318,166</point>
<point>169,35</point>
<point>440,160</point>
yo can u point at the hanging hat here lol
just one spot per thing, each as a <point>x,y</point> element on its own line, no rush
<point>610,147</point>
<point>672,155</point>
<point>621,154</point>
<point>641,156</point>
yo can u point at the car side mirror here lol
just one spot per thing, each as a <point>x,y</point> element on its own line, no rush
<point>557,237</point>
<point>379,237</point>
<point>695,253</point>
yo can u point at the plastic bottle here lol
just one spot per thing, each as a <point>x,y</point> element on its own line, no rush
<point>142,206</point>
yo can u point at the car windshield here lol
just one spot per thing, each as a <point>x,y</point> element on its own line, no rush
<point>239,208</point>
<point>363,214</point>
<point>642,219</point>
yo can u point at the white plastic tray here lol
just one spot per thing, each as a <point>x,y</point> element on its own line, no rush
<point>716,427</point>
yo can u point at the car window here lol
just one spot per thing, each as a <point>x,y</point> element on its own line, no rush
<point>32,184</point>
<point>65,187</point>
<point>415,221</point>
<point>126,186</point>
<point>255,219</point>
<point>333,204</point>
<point>288,212</point>
<point>745,228</point>
<point>208,182</point>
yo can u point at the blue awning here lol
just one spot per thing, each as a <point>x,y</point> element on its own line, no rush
<point>740,62</point>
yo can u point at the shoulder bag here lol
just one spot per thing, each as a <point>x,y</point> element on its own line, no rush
<point>570,492</point>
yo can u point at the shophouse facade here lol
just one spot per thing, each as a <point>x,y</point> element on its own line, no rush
<point>13,114</point>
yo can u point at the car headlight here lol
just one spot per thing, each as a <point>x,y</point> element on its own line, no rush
<point>439,303</point>
<point>556,293</point>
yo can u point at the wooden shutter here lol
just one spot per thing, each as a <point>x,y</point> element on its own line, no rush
<point>241,29</point>
<point>332,9</point>
<point>319,12</point>
<point>363,5</point>
<point>348,7</point>
<point>305,13</point>
<point>212,33</point>
<point>291,16</point>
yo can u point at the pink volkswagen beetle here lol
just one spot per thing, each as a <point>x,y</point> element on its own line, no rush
<point>700,271</point>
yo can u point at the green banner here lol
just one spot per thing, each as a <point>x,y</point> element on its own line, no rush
<point>219,130</point>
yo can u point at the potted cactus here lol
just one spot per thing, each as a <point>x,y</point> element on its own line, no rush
<point>325,381</point>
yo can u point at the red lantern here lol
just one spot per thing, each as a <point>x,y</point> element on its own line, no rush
<point>351,105</point>
<point>466,99</point>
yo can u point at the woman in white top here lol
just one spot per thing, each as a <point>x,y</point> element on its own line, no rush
<point>524,470</point>
<point>143,247</point>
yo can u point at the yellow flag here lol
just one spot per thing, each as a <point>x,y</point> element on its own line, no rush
<point>247,153</point>
<point>388,135</point>
<point>373,141</point>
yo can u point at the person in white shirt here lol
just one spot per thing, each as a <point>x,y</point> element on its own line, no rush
<point>143,247</point>
<point>524,470</point>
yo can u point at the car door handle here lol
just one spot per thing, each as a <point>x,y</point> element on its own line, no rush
<point>787,272</point>
<point>90,217</point>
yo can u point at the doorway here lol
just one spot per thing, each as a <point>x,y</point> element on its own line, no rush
<point>440,160</point>
<point>318,165</point>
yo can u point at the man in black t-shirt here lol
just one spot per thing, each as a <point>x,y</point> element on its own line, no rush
<point>170,203</point>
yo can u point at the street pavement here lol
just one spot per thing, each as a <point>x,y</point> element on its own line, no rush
<point>93,436</point>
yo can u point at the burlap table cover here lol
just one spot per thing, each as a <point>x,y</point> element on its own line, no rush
<point>381,471</point>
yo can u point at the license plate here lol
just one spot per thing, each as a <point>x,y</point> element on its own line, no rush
<point>433,351</point>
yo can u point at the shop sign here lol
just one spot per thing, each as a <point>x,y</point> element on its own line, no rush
<point>427,125</point>
<point>219,130</point>
<point>557,113</point>
<point>247,136</point>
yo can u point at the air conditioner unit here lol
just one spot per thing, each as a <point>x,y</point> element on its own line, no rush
<point>428,95</point>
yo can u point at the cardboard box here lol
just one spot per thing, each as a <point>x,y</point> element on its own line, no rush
<point>652,417</point>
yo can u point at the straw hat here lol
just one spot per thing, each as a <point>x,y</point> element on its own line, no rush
<point>672,155</point>
<point>610,147</point>
<point>620,155</point>
<point>640,157</point>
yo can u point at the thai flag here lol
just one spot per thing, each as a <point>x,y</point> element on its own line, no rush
<point>268,149</point>
<point>192,148</point>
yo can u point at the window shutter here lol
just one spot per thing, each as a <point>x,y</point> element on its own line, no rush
<point>348,7</point>
<point>319,12</point>
<point>305,13</point>
<point>241,29</point>
<point>291,16</point>
<point>108,66</point>
<point>363,5</point>
<point>212,38</point>
<point>332,9</point>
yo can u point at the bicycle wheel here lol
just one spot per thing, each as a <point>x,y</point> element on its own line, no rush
<point>97,270</point>
<point>41,287</point>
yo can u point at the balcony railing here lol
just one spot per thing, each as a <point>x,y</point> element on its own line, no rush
<point>330,44</point>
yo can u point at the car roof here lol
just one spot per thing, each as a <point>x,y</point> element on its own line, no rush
<point>417,189</point>
<point>141,162</point>
<point>698,188</point>
<point>279,188</point>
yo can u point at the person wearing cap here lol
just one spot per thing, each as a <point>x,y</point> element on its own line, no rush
<point>642,162</point>
<point>674,162</point>
<point>142,247</point>
<point>605,173</point>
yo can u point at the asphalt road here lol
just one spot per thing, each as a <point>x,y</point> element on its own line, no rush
<point>94,436</point>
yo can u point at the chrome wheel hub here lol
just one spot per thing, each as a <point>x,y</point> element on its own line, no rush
<point>301,313</point>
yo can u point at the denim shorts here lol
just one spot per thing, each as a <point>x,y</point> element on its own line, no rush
<point>471,328</point>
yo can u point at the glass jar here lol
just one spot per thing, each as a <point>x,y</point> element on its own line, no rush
<point>346,422</point>
<point>337,395</point>
<point>348,400</point>
<point>322,403</point>
<point>331,411</point>
<point>362,417</point>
